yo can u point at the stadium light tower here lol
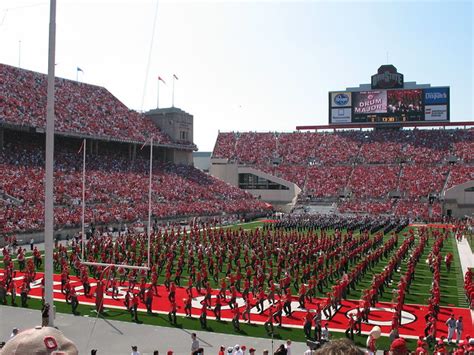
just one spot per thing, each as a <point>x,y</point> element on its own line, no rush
<point>48,193</point>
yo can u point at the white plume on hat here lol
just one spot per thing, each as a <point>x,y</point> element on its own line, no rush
<point>376,332</point>
<point>39,341</point>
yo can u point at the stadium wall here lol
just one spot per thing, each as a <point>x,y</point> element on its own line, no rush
<point>69,233</point>
<point>179,126</point>
<point>182,157</point>
<point>282,200</point>
<point>459,200</point>
<point>222,169</point>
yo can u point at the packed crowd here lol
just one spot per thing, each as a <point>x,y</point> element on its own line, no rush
<point>460,174</point>
<point>416,208</point>
<point>420,181</point>
<point>326,181</point>
<point>255,149</point>
<point>296,148</point>
<point>370,164</point>
<point>366,206</point>
<point>373,181</point>
<point>116,189</point>
<point>380,146</point>
<point>464,149</point>
<point>80,108</point>
<point>387,152</point>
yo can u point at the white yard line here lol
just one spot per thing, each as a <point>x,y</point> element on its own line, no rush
<point>465,255</point>
<point>467,260</point>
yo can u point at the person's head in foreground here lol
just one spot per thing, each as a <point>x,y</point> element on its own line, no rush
<point>39,341</point>
<point>399,347</point>
<point>339,347</point>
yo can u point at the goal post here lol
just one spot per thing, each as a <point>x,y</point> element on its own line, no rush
<point>124,266</point>
<point>83,235</point>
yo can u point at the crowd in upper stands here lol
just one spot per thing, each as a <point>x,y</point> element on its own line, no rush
<point>420,180</point>
<point>326,181</point>
<point>460,174</point>
<point>364,167</point>
<point>369,165</point>
<point>368,206</point>
<point>116,186</point>
<point>116,189</point>
<point>79,108</point>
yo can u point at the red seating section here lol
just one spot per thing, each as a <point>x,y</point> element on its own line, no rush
<point>369,164</point>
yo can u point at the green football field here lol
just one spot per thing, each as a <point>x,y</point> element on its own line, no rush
<point>451,295</point>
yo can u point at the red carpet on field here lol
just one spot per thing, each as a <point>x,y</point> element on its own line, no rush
<point>412,318</point>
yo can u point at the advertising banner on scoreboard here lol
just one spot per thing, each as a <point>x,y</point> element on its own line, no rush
<point>341,115</point>
<point>436,96</point>
<point>436,113</point>
<point>341,99</point>
<point>368,102</point>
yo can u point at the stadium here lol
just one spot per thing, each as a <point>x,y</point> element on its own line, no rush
<point>354,233</point>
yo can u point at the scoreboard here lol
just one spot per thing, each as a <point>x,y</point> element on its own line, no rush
<point>387,101</point>
<point>389,106</point>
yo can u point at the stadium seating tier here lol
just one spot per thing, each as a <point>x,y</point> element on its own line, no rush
<point>369,165</point>
<point>80,108</point>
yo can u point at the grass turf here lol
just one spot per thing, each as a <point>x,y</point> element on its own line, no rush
<point>418,295</point>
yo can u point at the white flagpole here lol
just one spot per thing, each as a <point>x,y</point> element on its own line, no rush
<point>149,199</point>
<point>83,196</point>
<point>19,54</point>
<point>77,74</point>
<point>49,192</point>
<point>172,96</point>
<point>158,94</point>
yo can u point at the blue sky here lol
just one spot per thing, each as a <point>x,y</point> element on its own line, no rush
<point>246,65</point>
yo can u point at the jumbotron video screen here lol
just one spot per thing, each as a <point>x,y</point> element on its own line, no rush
<point>389,106</point>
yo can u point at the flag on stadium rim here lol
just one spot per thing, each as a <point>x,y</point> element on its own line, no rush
<point>144,144</point>
<point>161,79</point>
<point>79,69</point>
<point>82,146</point>
<point>174,76</point>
